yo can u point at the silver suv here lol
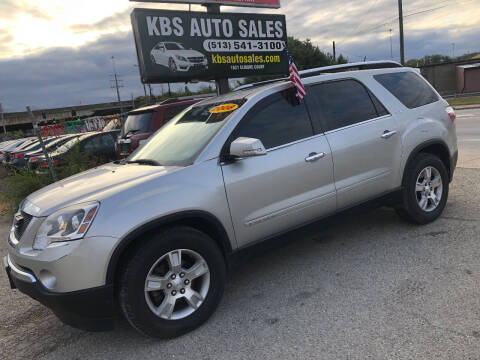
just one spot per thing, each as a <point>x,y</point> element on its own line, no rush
<point>158,231</point>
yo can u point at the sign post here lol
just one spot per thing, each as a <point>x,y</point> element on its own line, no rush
<point>44,150</point>
<point>222,84</point>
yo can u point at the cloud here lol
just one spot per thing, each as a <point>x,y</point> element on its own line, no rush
<point>12,8</point>
<point>61,76</point>
<point>65,76</point>
<point>109,23</point>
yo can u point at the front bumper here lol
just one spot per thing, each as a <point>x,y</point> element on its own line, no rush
<point>89,309</point>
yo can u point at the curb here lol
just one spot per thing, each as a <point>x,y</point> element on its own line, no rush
<point>466,107</point>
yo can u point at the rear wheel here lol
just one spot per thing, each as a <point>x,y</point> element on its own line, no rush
<point>425,189</point>
<point>173,283</point>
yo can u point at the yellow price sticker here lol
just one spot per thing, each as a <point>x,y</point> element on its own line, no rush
<point>223,108</point>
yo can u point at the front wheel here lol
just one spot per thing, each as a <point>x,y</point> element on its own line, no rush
<point>173,283</point>
<point>425,189</point>
<point>172,65</point>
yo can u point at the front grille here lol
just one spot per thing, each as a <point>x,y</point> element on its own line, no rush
<point>20,223</point>
<point>196,59</point>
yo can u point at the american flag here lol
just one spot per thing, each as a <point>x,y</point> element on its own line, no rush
<point>295,77</point>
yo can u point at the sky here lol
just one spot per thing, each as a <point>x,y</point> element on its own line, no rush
<point>56,53</point>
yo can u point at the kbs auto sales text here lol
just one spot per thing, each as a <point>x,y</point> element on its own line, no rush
<point>166,26</point>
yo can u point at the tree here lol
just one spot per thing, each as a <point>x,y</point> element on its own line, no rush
<point>306,56</point>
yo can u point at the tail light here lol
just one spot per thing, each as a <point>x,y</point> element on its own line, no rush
<point>19,155</point>
<point>33,159</point>
<point>45,164</point>
<point>451,113</point>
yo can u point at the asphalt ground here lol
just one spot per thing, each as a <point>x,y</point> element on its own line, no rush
<point>369,286</point>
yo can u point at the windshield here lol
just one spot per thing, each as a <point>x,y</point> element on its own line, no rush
<point>181,140</point>
<point>68,145</point>
<point>137,123</point>
<point>174,46</point>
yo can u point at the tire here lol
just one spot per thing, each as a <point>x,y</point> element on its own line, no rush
<point>153,258</point>
<point>171,65</point>
<point>414,209</point>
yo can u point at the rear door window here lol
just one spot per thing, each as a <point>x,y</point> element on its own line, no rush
<point>275,121</point>
<point>344,103</point>
<point>409,88</point>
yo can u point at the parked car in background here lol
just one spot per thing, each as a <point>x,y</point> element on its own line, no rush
<point>50,146</point>
<point>16,157</point>
<point>157,232</point>
<point>10,145</point>
<point>99,145</point>
<point>143,122</point>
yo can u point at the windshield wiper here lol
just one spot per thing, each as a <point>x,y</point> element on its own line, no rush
<point>133,131</point>
<point>144,162</point>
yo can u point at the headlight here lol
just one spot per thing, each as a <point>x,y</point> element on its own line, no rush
<point>181,58</point>
<point>70,223</point>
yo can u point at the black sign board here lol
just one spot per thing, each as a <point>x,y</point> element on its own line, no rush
<point>178,46</point>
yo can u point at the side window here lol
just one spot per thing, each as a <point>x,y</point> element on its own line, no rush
<point>381,111</point>
<point>344,103</point>
<point>408,87</point>
<point>92,144</point>
<point>276,122</point>
<point>107,142</point>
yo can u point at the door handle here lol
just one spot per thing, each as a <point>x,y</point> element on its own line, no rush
<point>314,156</point>
<point>387,134</point>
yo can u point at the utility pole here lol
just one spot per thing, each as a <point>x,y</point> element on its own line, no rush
<point>117,85</point>
<point>391,45</point>
<point>221,83</point>
<point>453,50</point>
<point>334,53</point>
<point>44,150</point>
<point>400,22</point>
<point>3,120</point>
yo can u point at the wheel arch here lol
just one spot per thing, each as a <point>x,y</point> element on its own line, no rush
<point>200,220</point>
<point>435,147</point>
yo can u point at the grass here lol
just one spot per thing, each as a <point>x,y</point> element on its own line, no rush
<point>473,100</point>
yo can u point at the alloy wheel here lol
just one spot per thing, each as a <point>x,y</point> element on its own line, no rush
<point>177,284</point>
<point>429,189</point>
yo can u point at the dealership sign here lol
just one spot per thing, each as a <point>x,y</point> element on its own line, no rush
<point>254,3</point>
<point>178,46</point>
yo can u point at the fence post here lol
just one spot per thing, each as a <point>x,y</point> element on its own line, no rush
<point>35,129</point>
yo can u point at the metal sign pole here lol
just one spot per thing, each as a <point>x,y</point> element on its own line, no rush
<point>221,83</point>
<point>35,129</point>
<point>3,120</point>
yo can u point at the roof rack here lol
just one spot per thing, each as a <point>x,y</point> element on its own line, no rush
<point>366,65</point>
<point>184,98</point>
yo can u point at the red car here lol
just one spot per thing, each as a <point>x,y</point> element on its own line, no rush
<point>143,122</point>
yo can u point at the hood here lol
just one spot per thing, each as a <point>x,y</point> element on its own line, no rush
<point>94,184</point>
<point>187,53</point>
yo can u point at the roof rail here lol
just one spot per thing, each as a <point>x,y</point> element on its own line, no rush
<point>185,98</point>
<point>366,65</point>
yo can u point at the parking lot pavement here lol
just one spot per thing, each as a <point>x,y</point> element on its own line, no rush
<point>367,286</point>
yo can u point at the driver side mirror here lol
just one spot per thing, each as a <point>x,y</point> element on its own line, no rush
<point>244,147</point>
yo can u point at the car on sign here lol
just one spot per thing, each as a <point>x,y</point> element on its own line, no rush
<point>156,233</point>
<point>174,56</point>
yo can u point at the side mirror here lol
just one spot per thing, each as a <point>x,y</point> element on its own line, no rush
<point>244,147</point>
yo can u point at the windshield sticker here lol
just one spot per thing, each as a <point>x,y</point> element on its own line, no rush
<point>223,108</point>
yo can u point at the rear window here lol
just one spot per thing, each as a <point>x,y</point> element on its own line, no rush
<point>409,88</point>
<point>138,123</point>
